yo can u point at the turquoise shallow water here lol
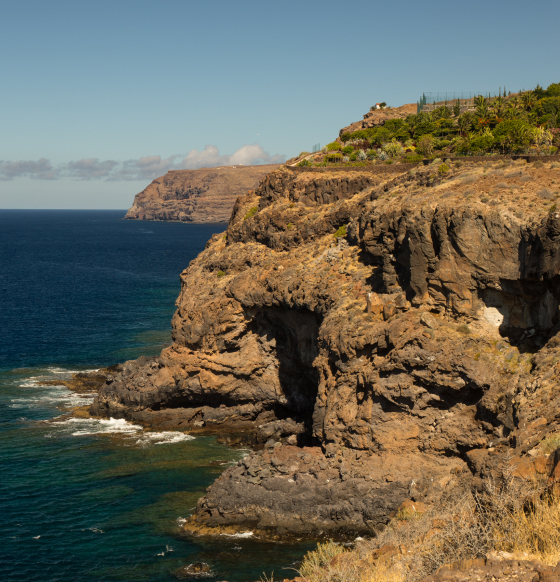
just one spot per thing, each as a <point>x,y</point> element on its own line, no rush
<point>88,499</point>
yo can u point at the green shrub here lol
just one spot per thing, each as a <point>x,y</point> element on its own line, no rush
<point>347,149</point>
<point>443,169</point>
<point>334,146</point>
<point>221,273</point>
<point>482,142</point>
<point>414,158</point>
<point>305,163</point>
<point>340,232</point>
<point>464,328</point>
<point>393,148</point>
<point>333,157</point>
<point>289,225</point>
<point>426,145</point>
<point>353,157</point>
<point>252,211</point>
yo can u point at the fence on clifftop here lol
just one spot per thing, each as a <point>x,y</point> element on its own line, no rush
<point>430,101</point>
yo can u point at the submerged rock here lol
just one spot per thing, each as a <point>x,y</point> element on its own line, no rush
<point>193,571</point>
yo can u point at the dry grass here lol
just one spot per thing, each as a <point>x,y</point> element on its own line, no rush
<point>513,516</point>
<point>550,444</point>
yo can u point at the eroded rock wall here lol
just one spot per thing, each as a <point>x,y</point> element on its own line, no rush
<point>204,195</point>
<point>380,358</point>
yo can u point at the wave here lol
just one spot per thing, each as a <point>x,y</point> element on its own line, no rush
<point>55,370</point>
<point>119,426</point>
<point>163,438</point>
<point>54,395</point>
<point>90,426</point>
<point>245,534</point>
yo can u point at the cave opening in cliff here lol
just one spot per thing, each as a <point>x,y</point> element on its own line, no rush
<point>293,336</point>
<point>527,313</point>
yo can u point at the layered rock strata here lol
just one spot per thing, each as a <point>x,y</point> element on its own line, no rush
<point>205,195</point>
<point>386,337</point>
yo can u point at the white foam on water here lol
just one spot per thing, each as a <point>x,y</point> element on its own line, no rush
<point>180,521</point>
<point>245,534</point>
<point>29,384</point>
<point>90,426</point>
<point>163,438</point>
<point>53,395</point>
<point>55,370</point>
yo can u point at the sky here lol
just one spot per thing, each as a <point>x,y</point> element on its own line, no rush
<point>99,98</point>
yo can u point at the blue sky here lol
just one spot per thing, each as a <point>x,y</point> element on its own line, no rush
<point>98,98</point>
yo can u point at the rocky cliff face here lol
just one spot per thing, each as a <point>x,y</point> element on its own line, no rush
<point>205,195</point>
<point>378,117</point>
<point>399,358</point>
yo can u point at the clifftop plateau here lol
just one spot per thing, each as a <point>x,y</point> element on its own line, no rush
<point>385,337</point>
<point>205,195</point>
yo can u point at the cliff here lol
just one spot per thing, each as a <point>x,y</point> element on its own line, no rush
<point>205,195</point>
<point>386,336</point>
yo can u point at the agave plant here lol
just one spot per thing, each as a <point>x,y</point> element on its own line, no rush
<point>362,156</point>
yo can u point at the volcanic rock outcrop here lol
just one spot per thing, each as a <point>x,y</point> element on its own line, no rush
<point>377,117</point>
<point>205,195</point>
<point>386,337</point>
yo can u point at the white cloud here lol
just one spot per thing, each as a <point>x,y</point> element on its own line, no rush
<point>144,168</point>
<point>39,170</point>
<point>248,155</point>
<point>88,169</point>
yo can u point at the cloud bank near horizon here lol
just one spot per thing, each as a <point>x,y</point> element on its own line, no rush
<point>144,168</point>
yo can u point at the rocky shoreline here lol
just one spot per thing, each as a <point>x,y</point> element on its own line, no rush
<point>382,338</point>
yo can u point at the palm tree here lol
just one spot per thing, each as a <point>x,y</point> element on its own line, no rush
<point>515,102</point>
<point>482,110</point>
<point>480,100</point>
<point>528,100</point>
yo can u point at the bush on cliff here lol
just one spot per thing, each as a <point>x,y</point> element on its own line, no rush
<point>334,146</point>
<point>252,211</point>
<point>340,232</point>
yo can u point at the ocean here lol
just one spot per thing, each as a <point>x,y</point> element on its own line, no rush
<point>100,500</point>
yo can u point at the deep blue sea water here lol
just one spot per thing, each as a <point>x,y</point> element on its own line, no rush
<point>89,500</point>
